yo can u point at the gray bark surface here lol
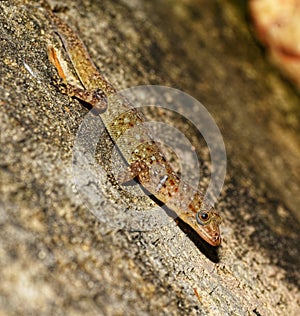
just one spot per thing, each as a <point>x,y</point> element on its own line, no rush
<point>56,257</point>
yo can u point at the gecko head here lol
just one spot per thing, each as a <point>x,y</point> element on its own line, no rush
<point>206,224</point>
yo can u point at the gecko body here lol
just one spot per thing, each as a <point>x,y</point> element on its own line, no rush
<point>143,155</point>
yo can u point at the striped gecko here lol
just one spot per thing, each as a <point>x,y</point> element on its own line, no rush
<point>145,159</point>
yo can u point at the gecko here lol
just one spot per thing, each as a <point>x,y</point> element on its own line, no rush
<point>145,159</point>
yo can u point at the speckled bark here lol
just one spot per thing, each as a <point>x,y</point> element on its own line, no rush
<point>56,258</point>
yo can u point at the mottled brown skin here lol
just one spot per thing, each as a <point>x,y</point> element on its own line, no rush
<point>125,123</point>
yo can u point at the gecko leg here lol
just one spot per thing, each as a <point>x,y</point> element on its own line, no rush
<point>95,97</point>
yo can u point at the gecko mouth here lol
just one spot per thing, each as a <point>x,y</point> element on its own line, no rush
<point>214,240</point>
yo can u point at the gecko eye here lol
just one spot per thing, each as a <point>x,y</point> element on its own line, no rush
<point>202,217</point>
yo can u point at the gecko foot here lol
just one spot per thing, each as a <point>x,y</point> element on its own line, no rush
<point>96,98</point>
